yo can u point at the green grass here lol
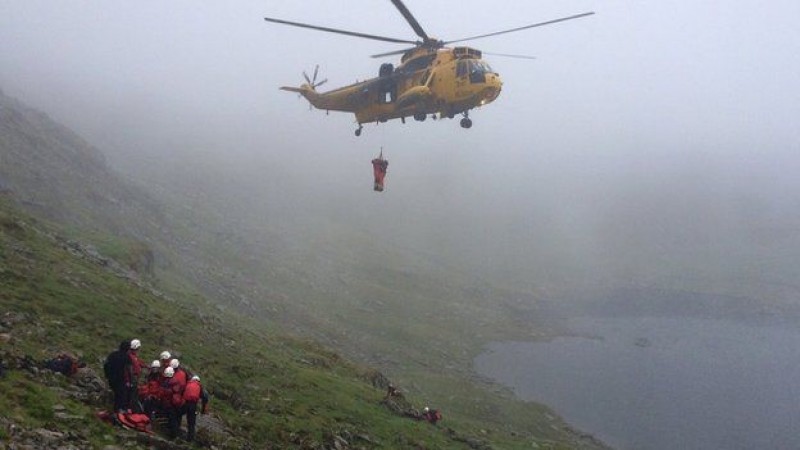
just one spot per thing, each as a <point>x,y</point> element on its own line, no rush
<point>272,390</point>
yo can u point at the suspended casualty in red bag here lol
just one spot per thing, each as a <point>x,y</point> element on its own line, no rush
<point>379,166</point>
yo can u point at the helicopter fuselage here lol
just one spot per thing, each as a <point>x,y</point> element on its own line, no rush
<point>432,79</point>
<point>442,82</point>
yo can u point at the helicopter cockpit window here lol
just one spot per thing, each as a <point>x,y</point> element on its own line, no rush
<point>477,71</point>
<point>481,66</point>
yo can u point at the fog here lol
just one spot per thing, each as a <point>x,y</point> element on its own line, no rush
<point>651,143</point>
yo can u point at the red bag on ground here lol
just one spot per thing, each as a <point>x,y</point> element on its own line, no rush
<point>135,421</point>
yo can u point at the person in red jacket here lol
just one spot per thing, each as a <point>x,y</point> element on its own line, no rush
<point>179,381</point>
<point>149,393</point>
<point>431,415</point>
<point>165,391</point>
<point>172,400</point>
<point>193,394</point>
<point>131,373</point>
<point>164,358</point>
<point>180,373</point>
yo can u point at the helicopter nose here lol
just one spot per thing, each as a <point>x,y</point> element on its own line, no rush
<point>492,89</point>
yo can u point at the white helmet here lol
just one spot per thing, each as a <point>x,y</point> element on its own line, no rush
<point>135,344</point>
<point>169,372</point>
<point>155,364</point>
<point>165,355</point>
<point>174,363</point>
<point>195,378</point>
<point>426,409</point>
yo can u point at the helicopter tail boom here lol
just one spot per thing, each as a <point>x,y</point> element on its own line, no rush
<point>309,93</point>
<point>309,89</point>
<point>299,90</point>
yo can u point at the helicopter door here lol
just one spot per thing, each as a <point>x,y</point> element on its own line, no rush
<point>461,69</point>
<point>461,79</point>
<point>387,91</point>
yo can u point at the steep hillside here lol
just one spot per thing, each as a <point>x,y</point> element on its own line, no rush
<point>59,175</point>
<point>269,391</point>
<point>56,175</point>
<point>387,314</point>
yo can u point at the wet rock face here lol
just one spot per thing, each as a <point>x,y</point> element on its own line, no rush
<point>20,438</point>
<point>11,318</point>
<point>89,387</point>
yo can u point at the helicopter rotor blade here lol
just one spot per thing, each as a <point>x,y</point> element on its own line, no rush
<point>392,53</point>
<point>316,70</point>
<point>549,22</point>
<point>308,80</point>
<point>410,19</point>
<point>506,55</point>
<point>334,30</point>
<point>321,83</point>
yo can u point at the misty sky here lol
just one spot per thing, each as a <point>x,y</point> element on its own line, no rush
<point>644,105</point>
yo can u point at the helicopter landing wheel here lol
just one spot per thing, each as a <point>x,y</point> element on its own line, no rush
<point>358,131</point>
<point>466,122</point>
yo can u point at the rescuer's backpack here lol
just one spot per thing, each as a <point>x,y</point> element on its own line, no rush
<point>115,363</point>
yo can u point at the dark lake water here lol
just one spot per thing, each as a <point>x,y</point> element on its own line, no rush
<point>663,383</point>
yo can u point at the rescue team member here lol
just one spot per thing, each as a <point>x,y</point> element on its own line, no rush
<point>133,368</point>
<point>150,392</point>
<point>172,400</point>
<point>177,388</point>
<point>180,374</point>
<point>164,358</point>
<point>194,393</point>
<point>114,369</point>
<point>392,391</point>
<point>431,415</point>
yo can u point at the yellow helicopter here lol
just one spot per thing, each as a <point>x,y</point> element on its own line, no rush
<point>432,79</point>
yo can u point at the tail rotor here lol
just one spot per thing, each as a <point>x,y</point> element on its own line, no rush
<point>308,89</point>
<point>312,81</point>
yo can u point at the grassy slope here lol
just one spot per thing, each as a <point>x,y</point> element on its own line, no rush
<point>272,390</point>
<point>279,391</point>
